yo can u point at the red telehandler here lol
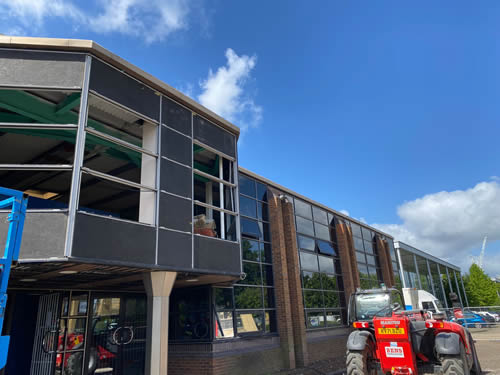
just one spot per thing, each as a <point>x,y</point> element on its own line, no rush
<point>389,340</point>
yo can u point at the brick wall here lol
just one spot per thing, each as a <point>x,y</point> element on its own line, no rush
<point>385,262</point>
<point>350,274</point>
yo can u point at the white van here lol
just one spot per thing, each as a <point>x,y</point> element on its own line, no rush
<point>415,299</point>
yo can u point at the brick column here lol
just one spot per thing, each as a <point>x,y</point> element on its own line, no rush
<point>384,257</point>
<point>281,284</point>
<point>350,274</point>
<point>295,285</point>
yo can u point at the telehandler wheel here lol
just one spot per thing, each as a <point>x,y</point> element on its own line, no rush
<point>360,362</point>
<point>456,364</point>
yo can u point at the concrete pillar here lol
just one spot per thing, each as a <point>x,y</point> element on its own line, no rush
<point>158,287</point>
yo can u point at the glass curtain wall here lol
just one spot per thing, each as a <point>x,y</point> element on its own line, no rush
<point>322,286</point>
<point>425,278</point>
<point>367,257</point>
<point>409,270</point>
<point>248,308</point>
<point>439,293</point>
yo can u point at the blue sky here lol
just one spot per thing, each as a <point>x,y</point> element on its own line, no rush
<point>386,109</point>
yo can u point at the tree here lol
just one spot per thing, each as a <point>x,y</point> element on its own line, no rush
<point>481,290</point>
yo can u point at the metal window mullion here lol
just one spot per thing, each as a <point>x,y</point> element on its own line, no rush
<point>417,271</point>
<point>221,200</point>
<point>430,276</point>
<point>35,126</point>
<point>458,288</point>
<point>213,178</point>
<point>401,270</point>
<point>203,204</point>
<point>211,149</point>
<point>442,286</point>
<point>120,142</point>
<point>36,167</point>
<point>78,158</point>
<point>158,187</point>
<point>463,288</point>
<point>118,180</point>
<point>449,280</point>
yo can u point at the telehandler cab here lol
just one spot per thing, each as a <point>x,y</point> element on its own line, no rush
<point>389,340</point>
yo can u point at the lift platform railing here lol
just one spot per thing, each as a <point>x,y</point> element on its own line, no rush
<point>16,201</point>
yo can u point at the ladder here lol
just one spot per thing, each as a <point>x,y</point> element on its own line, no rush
<point>16,201</point>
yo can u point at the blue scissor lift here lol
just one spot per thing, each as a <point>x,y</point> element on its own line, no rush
<point>17,202</point>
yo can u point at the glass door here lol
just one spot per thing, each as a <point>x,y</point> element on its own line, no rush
<point>116,343</point>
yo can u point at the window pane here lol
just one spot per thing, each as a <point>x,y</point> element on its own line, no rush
<point>78,304</point>
<point>306,243</point>
<point>360,257</point>
<point>262,211</point>
<point>315,319</point>
<point>250,249</point>
<point>250,228</point>
<point>261,192</point>
<point>326,248</point>
<point>209,162</point>
<point>265,231</point>
<point>268,298</point>
<point>249,322</point>
<point>308,261</point>
<point>329,282</point>
<point>370,259</point>
<point>356,230</point>
<point>311,280</point>
<point>248,207</point>
<point>230,227</point>
<point>363,271</point>
<point>320,215</point>
<point>304,226</point>
<point>270,321</point>
<point>367,234</point>
<point>331,299</point>
<point>333,319</point>
<point>303,209</point>
<point>368,247</point>
<point>253,274</point>
<point>207,222</point>
<point>358,244</point>
<point>322,231</point>
<point>246,297</point>
<point>224,325</point>
<point>313,299</point>
<point>267,275</point>
<point>266,255</point>
<point>372,271</point>
<point>223,298</point>
<point>247,186</point>
<point>326,264</point>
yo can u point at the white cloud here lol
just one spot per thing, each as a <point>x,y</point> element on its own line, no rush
<point>223,91</point>
<point>452,225</point>
<point>151,20</point>
<point>345,212</point>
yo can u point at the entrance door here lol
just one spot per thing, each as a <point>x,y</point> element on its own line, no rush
<point>116,340</point>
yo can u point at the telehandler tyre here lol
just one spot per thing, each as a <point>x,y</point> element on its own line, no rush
<point>360,362</point>
<point>456,364</point>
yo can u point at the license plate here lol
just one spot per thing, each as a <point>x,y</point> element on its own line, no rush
<point>394,352</point>
<point>391,331</point>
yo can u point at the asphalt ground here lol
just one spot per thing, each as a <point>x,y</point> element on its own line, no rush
<point>488,348</point>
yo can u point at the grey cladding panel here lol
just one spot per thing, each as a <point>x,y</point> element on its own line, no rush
<point>216,255</point>
<point>113,240</point>
<point>44,234</point>
<point>174,249</point>
<point>175,178</point>
<point>124,90</point>
<point>175,213</point>
<point>214,136</point>
<point>35,68</point>
<point>175,146</point>
<point>176,116</point>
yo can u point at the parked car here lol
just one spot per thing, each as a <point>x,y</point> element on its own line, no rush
<point>471,319</point>
<point>490,318</point>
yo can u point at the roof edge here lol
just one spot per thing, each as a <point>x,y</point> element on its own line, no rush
<point>99,51</point>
